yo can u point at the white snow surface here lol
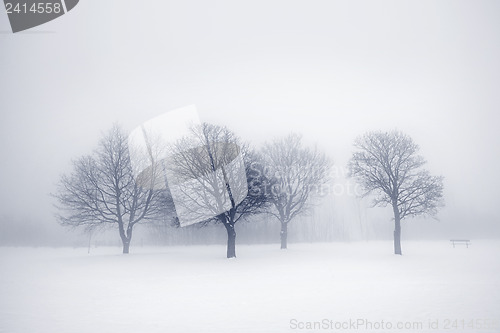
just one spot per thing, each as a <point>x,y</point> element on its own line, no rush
<point>196,289</point>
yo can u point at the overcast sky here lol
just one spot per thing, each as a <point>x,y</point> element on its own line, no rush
<point>330,70</point>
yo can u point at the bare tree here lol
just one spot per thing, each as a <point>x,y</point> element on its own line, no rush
<point>388,165</point>
<point>296,174</point>
<point>101,190</point>
<point>211,181</point>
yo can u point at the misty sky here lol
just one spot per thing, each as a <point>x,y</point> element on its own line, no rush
<point>330,70</point>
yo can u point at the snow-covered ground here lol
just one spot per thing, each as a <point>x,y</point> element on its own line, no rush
<point>331,287</point>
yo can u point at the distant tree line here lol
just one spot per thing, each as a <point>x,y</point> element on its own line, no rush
<point>283,179</point>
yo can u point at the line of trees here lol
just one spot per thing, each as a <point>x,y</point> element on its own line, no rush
<point>219,179</point>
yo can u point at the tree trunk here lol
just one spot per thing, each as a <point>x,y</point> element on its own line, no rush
<point>126,237</point>
<point>126,246</point>
<point>231,240</point>
<point>397,231</point>
<point>284,235</point>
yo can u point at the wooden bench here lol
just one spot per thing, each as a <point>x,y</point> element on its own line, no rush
<point>465,242</point>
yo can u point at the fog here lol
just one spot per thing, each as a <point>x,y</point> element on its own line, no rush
<point>328,70</point>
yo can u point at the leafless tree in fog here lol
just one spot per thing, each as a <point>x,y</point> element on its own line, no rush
<point>209,184</point>
<point>296,174</point>
<point>101,190</point>
<point>388,165</point>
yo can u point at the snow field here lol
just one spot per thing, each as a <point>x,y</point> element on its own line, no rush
<point>196,289</point>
